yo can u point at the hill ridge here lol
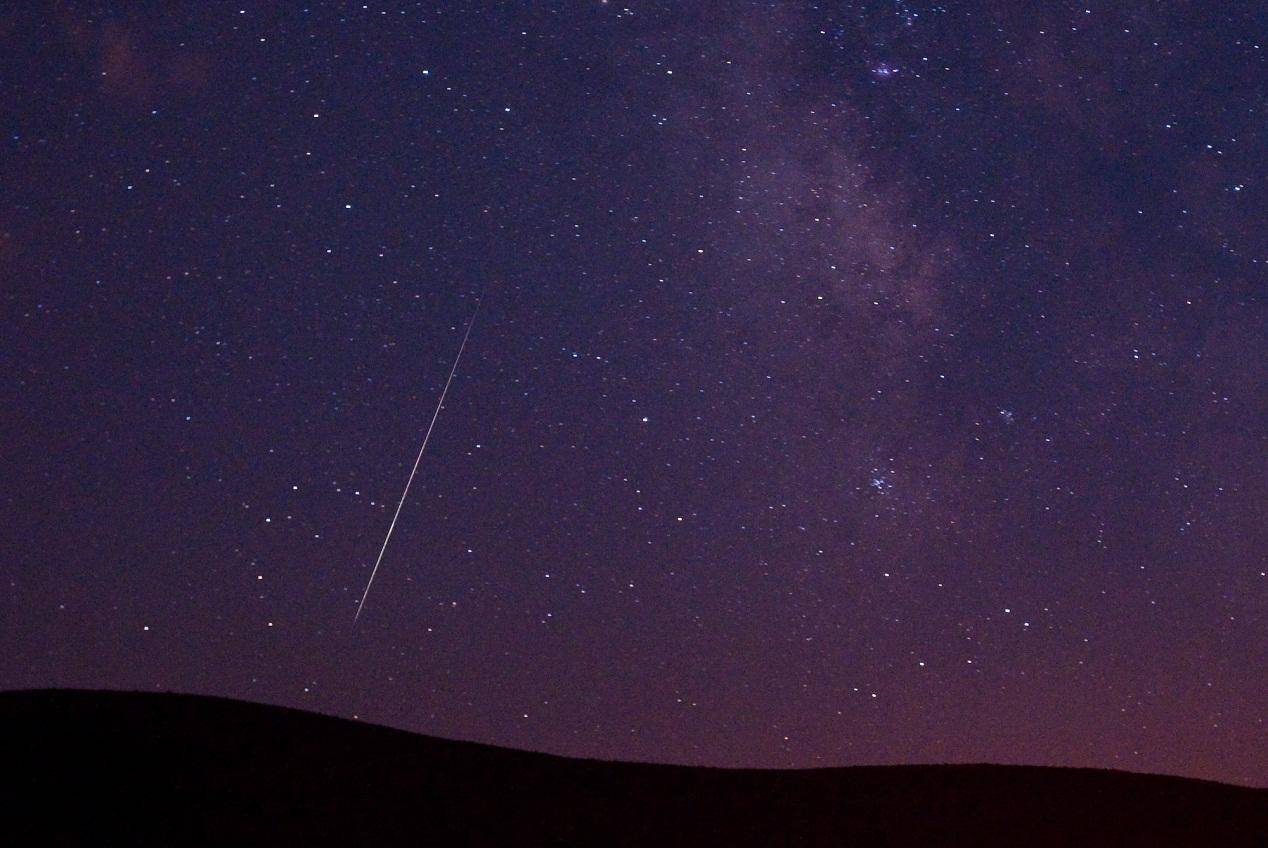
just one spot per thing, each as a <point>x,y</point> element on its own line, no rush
<point>211,769</point>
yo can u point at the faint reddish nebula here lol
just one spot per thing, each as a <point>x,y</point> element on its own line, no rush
<point>125,72</point>
<point>133,69</point>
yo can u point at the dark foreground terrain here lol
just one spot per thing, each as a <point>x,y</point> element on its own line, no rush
<point>113,768</point>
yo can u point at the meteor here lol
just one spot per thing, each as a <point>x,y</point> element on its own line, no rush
<point>418,459</point>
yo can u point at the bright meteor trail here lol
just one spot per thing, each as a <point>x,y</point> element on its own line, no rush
<point>418,460</point>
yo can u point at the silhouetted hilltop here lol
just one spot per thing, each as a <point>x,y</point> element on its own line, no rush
<point>144,769</point>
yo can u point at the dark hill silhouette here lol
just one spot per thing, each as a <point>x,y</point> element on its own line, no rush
<point>114,768</point>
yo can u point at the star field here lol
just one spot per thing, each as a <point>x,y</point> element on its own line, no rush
<point>853,383</point>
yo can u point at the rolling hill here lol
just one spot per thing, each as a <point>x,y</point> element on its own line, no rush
<point>161,769</point>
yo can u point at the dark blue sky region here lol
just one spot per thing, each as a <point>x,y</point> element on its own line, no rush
<point>853,383</point>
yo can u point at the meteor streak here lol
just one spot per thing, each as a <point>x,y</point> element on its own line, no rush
<point>418,459</point>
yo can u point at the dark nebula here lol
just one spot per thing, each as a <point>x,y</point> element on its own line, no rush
<point>854,383</point>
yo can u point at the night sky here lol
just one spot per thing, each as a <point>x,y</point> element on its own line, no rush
<point>852,383</point>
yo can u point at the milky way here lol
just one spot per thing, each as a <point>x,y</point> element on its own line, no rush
<point>855,383</point>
